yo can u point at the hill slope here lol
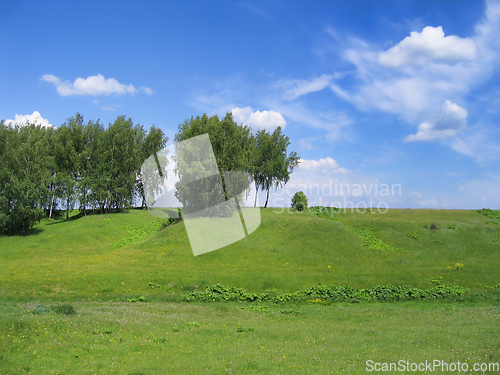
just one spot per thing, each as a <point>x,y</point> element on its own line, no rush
<point>126,254</point>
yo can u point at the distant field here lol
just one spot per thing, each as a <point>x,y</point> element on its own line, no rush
<point>104,257</point>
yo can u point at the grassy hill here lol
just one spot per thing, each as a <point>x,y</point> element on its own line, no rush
<point>132,253</point>
<point>99,264</point>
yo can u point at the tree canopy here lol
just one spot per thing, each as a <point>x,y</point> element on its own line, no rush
<point>272,165</point>
<point>77,164</point>
<point>262,155</point>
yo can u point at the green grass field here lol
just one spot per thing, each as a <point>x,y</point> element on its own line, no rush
<point>97,263</point>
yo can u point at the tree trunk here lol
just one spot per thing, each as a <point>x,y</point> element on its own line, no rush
<point>255,202</point>
<point>267,198</point>
<point>67,208</point>
<point>51,205</point>
<point>85,202</point>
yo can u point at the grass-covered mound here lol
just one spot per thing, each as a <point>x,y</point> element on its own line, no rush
<point>134,254</point>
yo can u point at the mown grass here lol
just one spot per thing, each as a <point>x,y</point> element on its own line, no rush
<point>167,338</point>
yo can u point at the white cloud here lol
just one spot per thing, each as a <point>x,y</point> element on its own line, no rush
<point>307,144</point>
<point>332,122</point>
<point>147,90</point>
<point>431,45</point>
<point>268,120</point>
<point>93,85</point>
<point>446,124</point>
<point>312,165</point>
<point>35,118</point>
<point>477,142</point>
<point>293,88</point>
<point>112,108</point>
<point>426,69</point>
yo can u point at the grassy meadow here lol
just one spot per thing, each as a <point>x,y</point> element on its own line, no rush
<point>99,264</point>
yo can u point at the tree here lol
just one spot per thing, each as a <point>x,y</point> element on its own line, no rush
<point>68,148</point>
<point>299,201</point>
<point>232,146</point>
<point>24,175</point>
<point>271,164</point>
<point>148,145</point>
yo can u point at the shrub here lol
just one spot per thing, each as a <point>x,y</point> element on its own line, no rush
<point>65,309</point>
<point>433,226</point>
<point>490,213</point>
<point>299,201</point>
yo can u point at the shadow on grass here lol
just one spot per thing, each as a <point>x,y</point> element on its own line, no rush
<point>60,217</point>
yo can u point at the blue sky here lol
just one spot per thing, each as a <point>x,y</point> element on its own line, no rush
<point>374,95</point>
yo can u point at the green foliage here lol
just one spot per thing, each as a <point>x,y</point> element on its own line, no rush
<point>299,201</point>
<point>76,163</point>
<point>325,212</point>
<point>24,175</point>
<point>290,311</point>
<point>459,266</point>
<point>271,165</point>
<point>233,147</point>
<point>136,299</point>
<point>325,293</point>
<point>40,309</point>
<point>414,234</point>
<point>370,240</point>
<point>264,309</point>
<point>64,309</point>
<point>244,329</point>
<point>135,234</point>
<point>490,213</point>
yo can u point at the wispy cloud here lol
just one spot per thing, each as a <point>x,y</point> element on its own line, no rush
<point>294,88</point>
<point>114,107</point>
<point>147,90</point>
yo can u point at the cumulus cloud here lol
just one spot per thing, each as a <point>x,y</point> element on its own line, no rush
<point>418,74</point>
<point>267,120</point>
<point>313,165</point>
<point>35,118</point>
<point>446,124</point>
<point>431,45</point>
<point>93,85</point>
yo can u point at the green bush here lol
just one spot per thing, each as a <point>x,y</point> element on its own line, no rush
<point>325,212</point>
<point>65,309</point>
<point>326,293</point>
<point>490,213</point>
<point>299,201</point>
